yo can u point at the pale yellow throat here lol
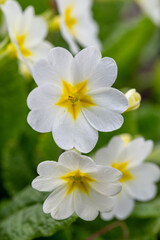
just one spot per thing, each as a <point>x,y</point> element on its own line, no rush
<point>74,98</point>
<point>122,167</point>
<point>77,180</point>
<point>21,43</point>
<point>69,20</point>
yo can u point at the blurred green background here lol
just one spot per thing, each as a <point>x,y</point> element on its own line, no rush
<point>132,39</point>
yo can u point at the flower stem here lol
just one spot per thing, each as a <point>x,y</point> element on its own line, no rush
<point>109,227</point>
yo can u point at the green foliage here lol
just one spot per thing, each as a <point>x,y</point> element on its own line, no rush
<point>16,171</point>
<point>148,210</point>
<point>148,119</point>
<point>12,101</point>
<point>23,218</point>
<point>130,42</point>
<point>47,148</point>
<point>125,45</point>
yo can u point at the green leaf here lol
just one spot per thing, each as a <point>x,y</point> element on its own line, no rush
<point>12,101</point>
<point>106,14</point>
<point>148,118</point>
<point>16,169</point>
<point>147,210</point>
<point>156,82</point>
<point>23,218</point>
<point>155,154</point>
<point>30,223</point>
<point>47,149</point>
<point>126,44</point>
<point>39,5</point>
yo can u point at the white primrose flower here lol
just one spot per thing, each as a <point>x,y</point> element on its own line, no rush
<point>74,98</point>
<point>77,185</point>
<point>27,33</point>
<point>151,8</point>
<point>77,24</point>
<point>138,178</point>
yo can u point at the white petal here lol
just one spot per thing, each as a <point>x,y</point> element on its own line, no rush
<point>43,72</point>
<point>54,199</point>
<point>102,202</point>
<point>104,75</point>
<point>84,207</point>
<point>61,61</point>
<point>106,174</point>
<point>46,184</point>
<point>27,19</point>
<point>40,51</point>
<point>86,31</point>
<point>107,188</point>
<point>105,156</point>
<point>51,169</point>
<point>13,14</point>
<point>78,134</point>
<point>37,31</point>
<point>110,98</point>
<point>64,209</point>
<point>107,216</point>
<point>141,190</point>
<point>41,120</point>
<point>44,96</point>
<point>85,62</point>
<point>73,161</point>
<point>103,119</point>
<point>124,205</point>
<point>147,172</point>
<point>136,151</point>
<point>69,38</point>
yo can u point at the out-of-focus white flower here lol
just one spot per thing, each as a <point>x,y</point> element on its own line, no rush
<point>27,33</point>
<point>138,178</point>
<point>151,8</point>
<point>134,99</point>
<point>77,24</point>
<point>74,98</point>
<point>78,185</point>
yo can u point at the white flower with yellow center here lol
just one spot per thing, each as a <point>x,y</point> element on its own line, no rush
<point>78,185</point>
<point>76,23</point>
<point>151,8</point>
<point>138,178</point>
<point>74,98</point>
<point>27,33</point>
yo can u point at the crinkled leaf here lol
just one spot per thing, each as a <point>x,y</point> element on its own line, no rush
<point>30,223</point>
<point>23,218</point>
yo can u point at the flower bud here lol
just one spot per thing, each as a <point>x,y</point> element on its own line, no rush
<point>126,137</point>
<point>134,99</point>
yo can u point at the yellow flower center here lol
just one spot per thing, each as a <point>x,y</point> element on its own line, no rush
<point>20,41</point>
<point>74,98</point>
<point>2,1</point>
<point>70,21</point>
<point>77,180</point>
<point>122,167</point>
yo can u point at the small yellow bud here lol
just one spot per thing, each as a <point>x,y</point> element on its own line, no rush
<point>24,70</point>
<point>126,137</point>
<point>134,99</point>
<point>55,23</point>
